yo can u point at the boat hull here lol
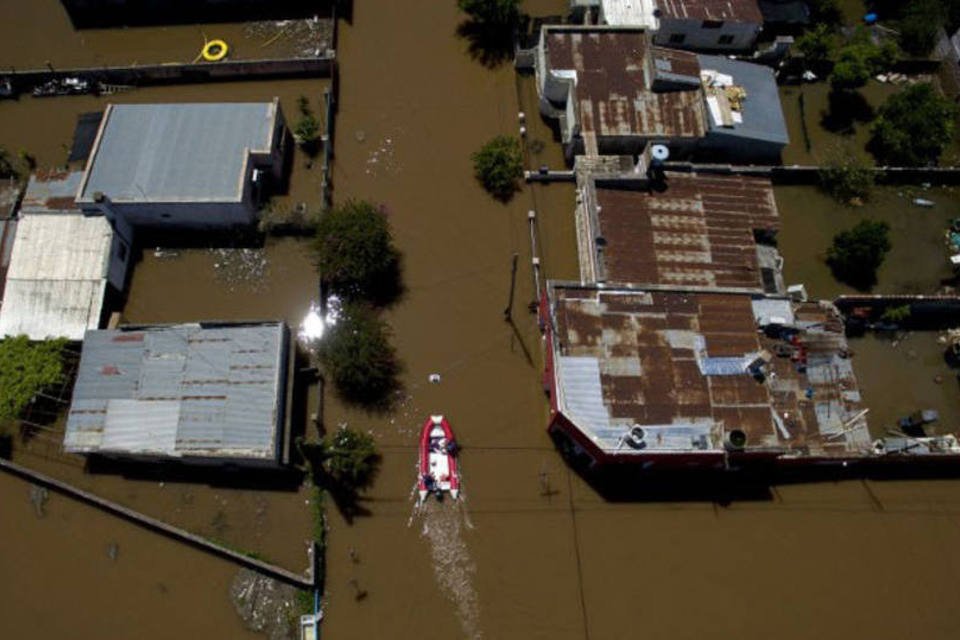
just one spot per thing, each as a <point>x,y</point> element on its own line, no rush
<point>439,471</point>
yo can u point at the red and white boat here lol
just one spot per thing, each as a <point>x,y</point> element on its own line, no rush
<point>438,459</point>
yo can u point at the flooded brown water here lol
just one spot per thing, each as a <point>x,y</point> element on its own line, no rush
<point>57,578</point>
<point>532,552</point>
<point>39,32</point>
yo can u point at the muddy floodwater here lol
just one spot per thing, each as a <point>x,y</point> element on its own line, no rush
<point>532,551</point>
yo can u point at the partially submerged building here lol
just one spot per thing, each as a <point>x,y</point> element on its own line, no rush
<point>62,265</point>
<point>708,25</point>
<point>613,92</point>
<point>203,393</point>
<point>674,379</point>
<point>693,231</point>
<point>203,165</point>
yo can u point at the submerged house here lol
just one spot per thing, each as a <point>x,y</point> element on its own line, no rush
<point>201,393</point>
<point>62,265</point>
<point>204,165</point>
<point>706,25</point>
<point>613,92</point>
<point>671,379</point>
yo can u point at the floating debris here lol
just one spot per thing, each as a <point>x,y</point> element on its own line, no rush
<point>236,268</point>
<point>113,551</point>
<point>39,496</point>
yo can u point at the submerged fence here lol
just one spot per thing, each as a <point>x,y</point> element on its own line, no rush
<point>158,526</point>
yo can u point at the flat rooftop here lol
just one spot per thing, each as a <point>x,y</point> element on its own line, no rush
<point>699,232</point>
<point>189,390</point>
<point>758,114</point>
<point>726,10</point>
<point>615,74</point>
<point>690,367</point>
<point>177,152</point>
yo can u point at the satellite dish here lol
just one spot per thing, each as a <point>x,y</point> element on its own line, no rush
<point>660,152</point>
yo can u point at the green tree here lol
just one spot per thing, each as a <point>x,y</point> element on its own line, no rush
<point>498,165</point>
<point>858,252</point>
<point>307,129</point>
<point>817,46</point>
<point>7,169</point>
<point>491,11</point>
<point>26,369</point>
<point>860,59</point>
<point>920,22</point>
<point>825,12</point>
<point>913,127</point>
<point>896,315</point>
<point>357,355</point>
<point>355,253</point>
<point>847,179</point>
<point>351,458</point>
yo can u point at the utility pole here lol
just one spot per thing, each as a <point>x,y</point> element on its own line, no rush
<point>508,311</point>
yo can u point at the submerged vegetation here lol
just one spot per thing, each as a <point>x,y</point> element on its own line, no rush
<point>307,129</point>
<point>847,179</point>
<point>26,370</point>
<point>858,252</point>
<point>355,254</point>
<point>357,355</point>
<point>498,165</point>
<point>913,127</point>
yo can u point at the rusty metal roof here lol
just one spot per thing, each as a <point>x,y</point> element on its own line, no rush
<point>699,232</point>
<point>726,10</point>
<point>615,91</point>
<point>51,192</point>
<point>678,365</point>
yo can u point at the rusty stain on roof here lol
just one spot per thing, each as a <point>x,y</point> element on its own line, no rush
<point>651,347</point>
<point>726,10</point>
<point>615,91</point>
<point>699,232</point>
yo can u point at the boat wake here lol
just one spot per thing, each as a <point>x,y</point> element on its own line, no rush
<point>453,568</point>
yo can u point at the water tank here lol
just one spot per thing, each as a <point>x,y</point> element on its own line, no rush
<point>735,440</point>
<point>635,438</point>
<point>659,152</point>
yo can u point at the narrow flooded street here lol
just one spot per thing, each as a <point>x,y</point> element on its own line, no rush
<point>532,551</point>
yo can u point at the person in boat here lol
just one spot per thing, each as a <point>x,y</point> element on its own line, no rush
<point>428,481</point>
<point>452,447</point>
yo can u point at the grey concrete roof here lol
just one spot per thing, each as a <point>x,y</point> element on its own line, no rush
<point>177,152</point>
<point>180,390</point>
<point>762,113</point>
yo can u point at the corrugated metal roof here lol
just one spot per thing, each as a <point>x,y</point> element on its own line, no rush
<point>44,309</point>
<point>630,13</point>
<point>665,360</point>
<point>61,247</point>
<point>177,152</point>
<point>51,192</point>
<point>57,276</point>
<point>614,83</point>
<point>726,10</point>
<point>180,390</point>
<point>698,232</point>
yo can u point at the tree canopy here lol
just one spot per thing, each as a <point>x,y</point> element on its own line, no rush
<point>846,179</point>
<point>498,165</point>
<point>817,46</point>
<point>860,59</point>
<point>354,250</point>
<point>26,369</point>
<point>858,252</point>
<point>351,458</point>
<point>913,127</point>
<point>491,11</point>
<point>357,354</point>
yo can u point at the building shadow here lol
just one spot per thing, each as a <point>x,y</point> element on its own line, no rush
<point>99,14</point>
<point>626,484</point>
<point>226,475</point>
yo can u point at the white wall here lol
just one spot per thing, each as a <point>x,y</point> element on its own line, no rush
<point>696,37</point>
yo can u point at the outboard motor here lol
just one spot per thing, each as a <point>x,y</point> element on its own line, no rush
<point>453,448</point>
